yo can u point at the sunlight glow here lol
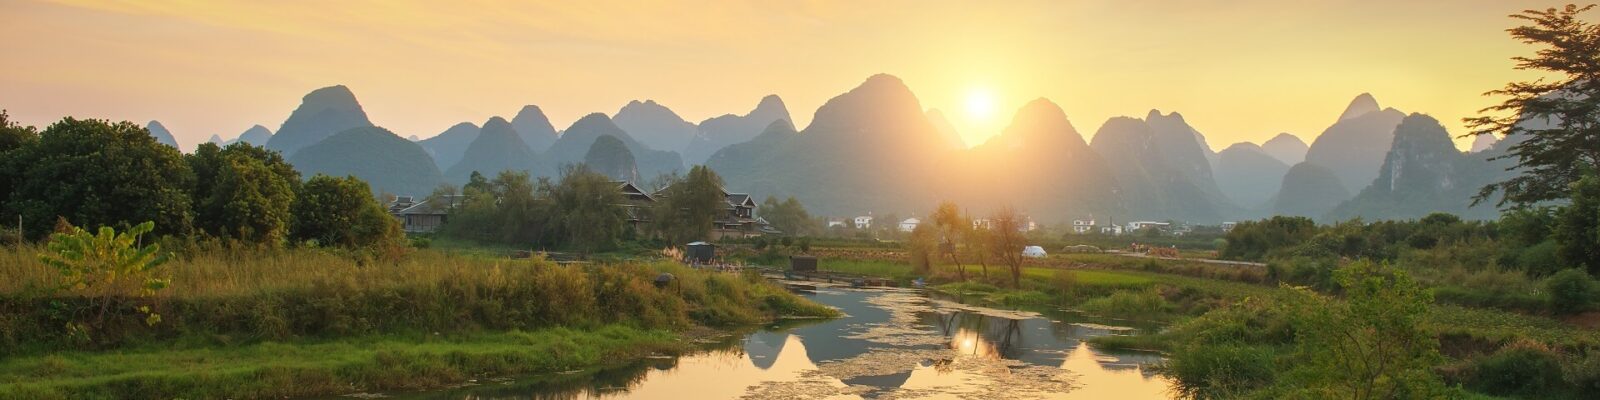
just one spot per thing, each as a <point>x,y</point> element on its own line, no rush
<point>981,105</point>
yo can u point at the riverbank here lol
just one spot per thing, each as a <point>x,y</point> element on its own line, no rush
<point>268,324</point>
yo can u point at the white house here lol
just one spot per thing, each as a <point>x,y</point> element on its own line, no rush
<point>910,224</point>
<point>1111,230</point>
<point>1228,226</point>
<point>982,223</point>
<point>1082,226</point>
<point>1135,226</point>
<point>835,222</point>
<point>864,222</point>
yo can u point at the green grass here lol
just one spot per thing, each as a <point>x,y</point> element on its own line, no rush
<point>276,370</point>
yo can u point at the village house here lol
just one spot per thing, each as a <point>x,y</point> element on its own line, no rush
<point>1228,226</point>
<point>909,224</point>
<point>1111,230</point>
<point>1083,226</point>
<point>835,223</point>
<point>425,216</point>
<point>863,222</point>
<point>636,205</point>
<point>1135,226</point>
<point>738,219</point>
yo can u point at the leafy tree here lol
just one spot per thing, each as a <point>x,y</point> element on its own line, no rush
<point>95,172</point>
<point>342,212</point>
<point>1369,346</point>
<point>1555,124</point>
<point>686,209</point>
<point>953,227</point>
<point>12,137</point>
<point>108,269</point>
<point>523,209</point>
<point>923,244</point>
<point>243,192</point>
<point>588,209</point>
<point>1577,233</point>
<point>1006,241</point>
<point>476,182</point>
<point>788,216</point>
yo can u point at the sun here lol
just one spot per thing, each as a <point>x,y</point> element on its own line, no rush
<point>980,105</point>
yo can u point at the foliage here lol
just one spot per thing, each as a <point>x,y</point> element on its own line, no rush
<point>1577,233</point>
<point>788,216</point>
<point>586,209</point>
<point>953,229</point>
<point>1006,241</point>
<point>1251,240</point>
<point>1523,369</point>
<point>1370,345</point>
<point>12,136</point>
<point>98,173</point>
<point>243,192</point>
<point>686,209</point>
<point>1570,291</point>
<point>106,268</point>
<point>342,212</point>
<point>1555,124</point>
<point>924,248</point>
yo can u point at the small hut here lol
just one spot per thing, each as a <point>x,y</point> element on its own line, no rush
<point>700,252</point>
<point>803,263</point>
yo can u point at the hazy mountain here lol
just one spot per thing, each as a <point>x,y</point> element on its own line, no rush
<point>216,140</point>
<point>534,128</point>
<point>1162,173</point>
<point>575,141</point>
<point>496,148</point>
<point>1354,147</point>
<point>611,157</point>
<point>388,162</point>
<point>1173,129</point>
<point>1483,142</point>
<point>1422,173</point>
<point>257,135</point>
<point>1363,104</point>
<point>322,113</point>
<point>1286,148</point>
<point>1041,165</point>
<point>718,132</point>
<point>161,134</point>
<point>654,125</point>
<point>947,132</point>
<point>871,148</point>
<point>448,146</point>
<point>1248,175</point>
<point>1309,190</point>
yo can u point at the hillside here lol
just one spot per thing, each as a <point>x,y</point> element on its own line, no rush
<point>321,113</point>
<point>388,162</point>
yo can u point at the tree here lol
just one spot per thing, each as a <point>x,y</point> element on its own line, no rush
<point>788,216</point>
<point>953,226</point>
<point>1252,240</point>
<point>923,244</point>
<point>1577,232</point>
<point>686,209</point>
<point>476,181</point>
<point>1006,241</point>
<point>108,269</point>
<point>342,212</point>
<point>12,137</point>
<point>588,209</point>
<point>1570,291</point>
<point>1555,124</point>
<point>1369,346</point>
<point>243,192</point>
<point>98,173</point>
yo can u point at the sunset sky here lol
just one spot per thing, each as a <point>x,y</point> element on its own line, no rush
<point>1237,70</point>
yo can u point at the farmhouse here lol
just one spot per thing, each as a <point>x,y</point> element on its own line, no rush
<point>424,216</point>
<point>909,224</point>
<point>1083,226</point>
<point>863,222</point>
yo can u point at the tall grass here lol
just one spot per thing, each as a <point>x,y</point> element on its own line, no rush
<point>246,296</point>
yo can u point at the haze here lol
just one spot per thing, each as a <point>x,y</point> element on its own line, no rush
<point>1237,70</point>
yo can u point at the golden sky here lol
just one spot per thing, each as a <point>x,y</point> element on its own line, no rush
<point>1240,70</point>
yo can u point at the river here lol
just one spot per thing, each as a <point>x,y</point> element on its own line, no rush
<point>895,344</point>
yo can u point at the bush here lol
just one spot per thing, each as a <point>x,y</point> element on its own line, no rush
<point>1217,371</point>
<point>1522,369</point>
<point>1127,303</point>
<point>1570,291</point>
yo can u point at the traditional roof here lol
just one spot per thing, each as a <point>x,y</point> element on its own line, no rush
<point>427,206</point>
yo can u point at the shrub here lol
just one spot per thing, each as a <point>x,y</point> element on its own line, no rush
<point>1127,303</point>
<point>1522,369</point>
<point>1570,291</point>
<point>1217,371</point>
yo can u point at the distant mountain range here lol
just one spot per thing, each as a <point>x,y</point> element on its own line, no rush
<point>161,133</point>
<point>875,148</point>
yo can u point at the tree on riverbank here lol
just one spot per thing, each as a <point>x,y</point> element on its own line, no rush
<point>1006,241</point>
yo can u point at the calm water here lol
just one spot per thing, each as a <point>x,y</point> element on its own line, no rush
<point>892,344</point>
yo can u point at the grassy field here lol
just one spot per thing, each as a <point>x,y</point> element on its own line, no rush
<point>232,317</point>
<point>308,368</point>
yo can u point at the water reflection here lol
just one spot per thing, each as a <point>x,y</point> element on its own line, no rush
<point>784,360</point>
